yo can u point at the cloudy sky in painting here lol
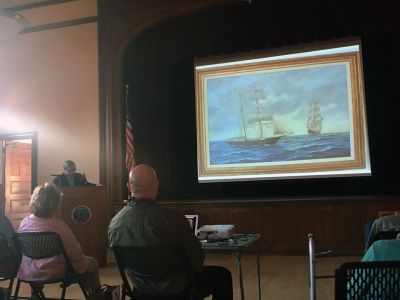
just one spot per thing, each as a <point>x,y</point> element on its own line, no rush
<point>288,94</point>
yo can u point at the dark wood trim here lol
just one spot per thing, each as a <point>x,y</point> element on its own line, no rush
<point>58,25</point>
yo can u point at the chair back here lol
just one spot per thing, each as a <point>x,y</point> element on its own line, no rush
<point>368,280</point>
<point>8,267</point>
<point>38,245</point>
<point>387,234</point>
<point>149,262</point>
<point>390,234</point>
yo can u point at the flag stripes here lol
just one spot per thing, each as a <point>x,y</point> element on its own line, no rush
<point>130,150</point>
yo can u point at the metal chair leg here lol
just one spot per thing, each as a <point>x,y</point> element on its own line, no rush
<point>16,292</point>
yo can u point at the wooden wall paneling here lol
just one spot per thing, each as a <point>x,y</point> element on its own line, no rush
<point>337,223</point>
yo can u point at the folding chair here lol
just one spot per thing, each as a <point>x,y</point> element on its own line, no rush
<point>368,281</point>
<point>8,267</point>
<point>312,263</point>
<point>390,234</point>
<point>39,245</point>
<point>382,224</point>
<point>151,263</point>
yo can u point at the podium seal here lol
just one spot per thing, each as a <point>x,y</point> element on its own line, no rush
<point>81,215</point>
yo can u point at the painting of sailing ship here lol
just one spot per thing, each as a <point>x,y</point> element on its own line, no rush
<point>267,122</point>
<point>267,119</point>
<point>261,127</point>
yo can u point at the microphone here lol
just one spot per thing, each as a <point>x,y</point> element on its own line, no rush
<point>57,180</point>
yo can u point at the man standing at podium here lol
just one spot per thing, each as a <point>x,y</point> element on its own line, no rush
<point>69,177</point>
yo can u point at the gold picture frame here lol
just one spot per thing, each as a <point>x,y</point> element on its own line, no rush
<point>243,108</point>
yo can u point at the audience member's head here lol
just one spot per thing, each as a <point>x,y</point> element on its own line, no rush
<point>143,182</point>
<point>69,167</point>
<point>45,200</point>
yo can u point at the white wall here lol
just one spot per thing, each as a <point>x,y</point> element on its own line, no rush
<point>49,84</point>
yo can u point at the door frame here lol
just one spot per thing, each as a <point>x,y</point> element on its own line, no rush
<point>33,136</point>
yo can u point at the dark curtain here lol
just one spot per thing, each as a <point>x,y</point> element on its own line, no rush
<point>159,67</point>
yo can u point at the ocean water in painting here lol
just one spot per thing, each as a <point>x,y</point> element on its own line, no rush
<point>289,148</point>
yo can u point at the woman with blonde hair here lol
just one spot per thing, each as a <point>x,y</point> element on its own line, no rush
<point>44,203</point>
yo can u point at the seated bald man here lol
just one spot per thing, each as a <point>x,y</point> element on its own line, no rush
<point>144,223</point>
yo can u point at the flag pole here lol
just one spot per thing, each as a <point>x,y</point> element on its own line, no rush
<point>126,98</point>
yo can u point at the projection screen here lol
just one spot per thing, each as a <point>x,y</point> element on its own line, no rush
<point>296,115</point>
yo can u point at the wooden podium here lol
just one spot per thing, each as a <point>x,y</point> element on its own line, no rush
<point>84,209</point>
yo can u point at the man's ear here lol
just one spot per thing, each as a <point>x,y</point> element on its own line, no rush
<point>154,185</point>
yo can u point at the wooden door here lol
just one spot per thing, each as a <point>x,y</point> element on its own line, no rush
<point>18,180</point>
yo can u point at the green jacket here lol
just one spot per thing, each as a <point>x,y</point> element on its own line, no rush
<point>145,223</point>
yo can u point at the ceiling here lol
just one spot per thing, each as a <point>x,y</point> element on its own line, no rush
<point>48,14</point>
<point>19,5</point>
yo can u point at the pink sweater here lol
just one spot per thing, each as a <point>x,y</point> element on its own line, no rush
<point>51,267</point>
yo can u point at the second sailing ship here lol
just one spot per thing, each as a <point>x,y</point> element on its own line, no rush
<point>314,121</point>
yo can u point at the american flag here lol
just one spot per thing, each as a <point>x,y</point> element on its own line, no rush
<point>130,149</point>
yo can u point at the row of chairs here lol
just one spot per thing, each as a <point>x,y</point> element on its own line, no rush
<point>353,280</point>
<point>154,262</point>
<point>357,280</point>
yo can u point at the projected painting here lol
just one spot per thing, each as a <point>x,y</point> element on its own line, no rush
<point>292,116</point>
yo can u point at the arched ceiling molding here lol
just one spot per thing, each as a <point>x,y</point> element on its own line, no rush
<point>119,25</point>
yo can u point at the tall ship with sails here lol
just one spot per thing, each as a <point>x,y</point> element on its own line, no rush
<point>260,127</point>
<point>314,121</point>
